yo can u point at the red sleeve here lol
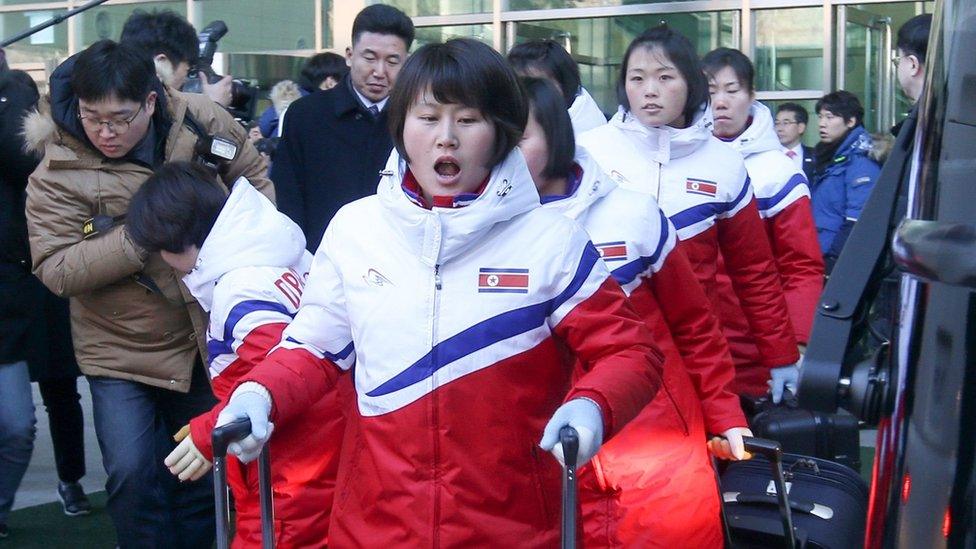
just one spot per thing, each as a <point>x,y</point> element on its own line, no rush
<point>295,378</point>
<point>253,348</point>
<point>793,237</point>
<point>622,364</point>
<point>696,332</point>
<point>749,263</point>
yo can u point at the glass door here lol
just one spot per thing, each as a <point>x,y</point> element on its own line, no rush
<point>864,63</point>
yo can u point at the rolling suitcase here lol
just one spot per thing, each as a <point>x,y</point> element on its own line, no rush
<point>834,437</point>
<point>823,505</point>
<point>223,436</point>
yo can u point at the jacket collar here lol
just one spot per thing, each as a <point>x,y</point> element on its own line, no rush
<point>857,143</point>
<point>439,234</point>
<point>248,232</point>
<point>346,101</point>
<point>759,136</point>
<point>664,143</point>
<point>593,186</point>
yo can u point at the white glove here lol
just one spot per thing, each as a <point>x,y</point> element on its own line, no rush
<point>186,462</point>
<point>252,401</point>
<point>785,377</point>
<point>730,445</point>
<point>583,415</point>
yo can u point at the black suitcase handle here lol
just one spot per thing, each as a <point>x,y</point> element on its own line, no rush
<point>774,452</point>
<point>220,438</point>
<point>569,438</point>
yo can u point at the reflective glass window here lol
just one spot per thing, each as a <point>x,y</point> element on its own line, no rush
<point>415,8</point>
<point>50,44</point>
<point>789,49</point>
<point>261,25</point>
<point>433,35</point>
<point>598,44</point>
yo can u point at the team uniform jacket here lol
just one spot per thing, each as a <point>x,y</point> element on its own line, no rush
<point>585,113</point>
<point>657,467</point>
<point>458,321</point>
<point>783,198</point>
<point>703,187</point>
<point>250,275</point>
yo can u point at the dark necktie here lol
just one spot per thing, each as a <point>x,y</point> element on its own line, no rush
<point>374,111</point>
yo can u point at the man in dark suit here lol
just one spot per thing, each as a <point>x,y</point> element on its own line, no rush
<point>335,142</point>
<point>791,123</point>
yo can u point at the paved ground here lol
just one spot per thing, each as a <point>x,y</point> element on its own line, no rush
<point>40,482</point>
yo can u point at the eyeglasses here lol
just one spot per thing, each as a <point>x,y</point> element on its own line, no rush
<point>118,127</point>
<point>781,123</point>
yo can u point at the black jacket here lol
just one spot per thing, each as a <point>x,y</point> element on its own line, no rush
<point>330,154</point>
<point>34,323</point>
<point>808,162</point>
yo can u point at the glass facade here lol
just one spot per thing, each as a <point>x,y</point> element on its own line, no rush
<point>598,44</point>
<point>415,8</point>
<point>268,25</point>
<point>800,51</point>
<point>789,49</point>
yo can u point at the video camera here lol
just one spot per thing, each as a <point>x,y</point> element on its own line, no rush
<point>243,95</point>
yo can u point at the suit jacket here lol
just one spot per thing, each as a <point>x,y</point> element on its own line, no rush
<point>808,162</point>
<point>330,154</point>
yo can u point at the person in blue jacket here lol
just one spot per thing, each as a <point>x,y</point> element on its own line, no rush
<point>844,171</point>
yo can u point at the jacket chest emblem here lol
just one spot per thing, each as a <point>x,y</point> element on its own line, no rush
<point>702,187</point>
<point>612,251</point>
<point>503,281</point>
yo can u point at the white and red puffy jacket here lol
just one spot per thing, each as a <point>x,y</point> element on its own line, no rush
<point>249,276</point>
<point>457,321</point>
<point>783,197</point>
<point>584,113</point>
<point>702,186</point>
<point>657,467</point>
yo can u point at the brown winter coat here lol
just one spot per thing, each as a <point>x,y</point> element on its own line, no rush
<point>121,329</point>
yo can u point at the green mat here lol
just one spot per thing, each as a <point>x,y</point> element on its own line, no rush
<point>47,527</point>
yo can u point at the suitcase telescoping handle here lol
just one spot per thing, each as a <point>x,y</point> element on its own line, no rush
<point>222,436</point>
<point>774,453</point>
<point>569,438</point>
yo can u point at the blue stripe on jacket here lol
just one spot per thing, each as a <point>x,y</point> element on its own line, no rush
<point>239,311</point>
<point>767,203</point>
<point>489,331</point>
<point>627,273</point>
<point>702,212</point>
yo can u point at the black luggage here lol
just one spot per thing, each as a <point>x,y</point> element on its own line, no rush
<point>827,501</point>
<point>223,436</point>
<point>834,437</point>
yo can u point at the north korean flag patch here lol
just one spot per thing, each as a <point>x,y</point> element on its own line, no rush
<point>701,186</point>
<point>612,251</point>
<point>503,281</point>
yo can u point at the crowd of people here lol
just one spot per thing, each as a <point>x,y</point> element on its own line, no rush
<point>453,255</point>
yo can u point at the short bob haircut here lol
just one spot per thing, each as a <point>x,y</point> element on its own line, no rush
<point>546,107</point>
<point>551,59</point>
<point>682,53</point>
<point>465,72</point>
<point>842,103</point>
<point>175,208</point>
<point>717,59</point>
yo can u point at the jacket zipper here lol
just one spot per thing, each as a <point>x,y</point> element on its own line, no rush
<point>435,412</point>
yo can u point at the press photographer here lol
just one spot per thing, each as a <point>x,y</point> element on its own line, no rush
<point>202,76</point>
<point>172,43</point>
<point>139,335</point>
